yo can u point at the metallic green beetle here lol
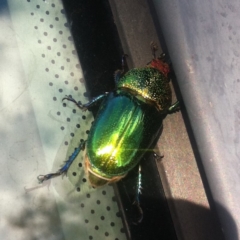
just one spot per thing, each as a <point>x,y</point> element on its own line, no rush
<point>127,124</point>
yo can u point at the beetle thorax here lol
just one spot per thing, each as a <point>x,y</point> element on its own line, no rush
<point>150,83</point>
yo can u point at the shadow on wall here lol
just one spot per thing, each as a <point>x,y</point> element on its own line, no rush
<point>200,223</point>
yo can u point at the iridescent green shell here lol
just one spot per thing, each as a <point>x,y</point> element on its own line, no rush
<point>128,122</point>
<point>122,132</point>
<point>150,84</point>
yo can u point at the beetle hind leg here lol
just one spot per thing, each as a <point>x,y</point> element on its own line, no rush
<point>63,170</point>
<point>137,196</point>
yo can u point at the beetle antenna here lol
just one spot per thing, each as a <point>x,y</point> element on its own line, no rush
<point>154,49</point>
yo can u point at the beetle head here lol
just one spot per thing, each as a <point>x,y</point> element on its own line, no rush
<point>160,65</point>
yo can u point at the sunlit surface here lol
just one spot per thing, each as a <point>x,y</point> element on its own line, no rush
<point>38,67</point>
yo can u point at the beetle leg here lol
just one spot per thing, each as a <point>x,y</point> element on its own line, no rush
<point>137,195</point>
<point>119,73</point>
<point>174,108</point>
<point>63,170</point>
<point>154,49</point>
<point>162,56</point>
<point>158,157</point>
<point>124,63</point>
<point>85,106</point>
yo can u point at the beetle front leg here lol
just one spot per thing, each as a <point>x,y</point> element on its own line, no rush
<point>174,108</point>
<point>154,49</point>
<point>119,73</point>
<point>88,105</point>
<point>63,170</point>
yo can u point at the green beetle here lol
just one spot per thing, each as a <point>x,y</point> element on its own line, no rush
<point>127,124</point>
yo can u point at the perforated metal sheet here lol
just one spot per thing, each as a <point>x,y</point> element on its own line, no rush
<point>38,67</point>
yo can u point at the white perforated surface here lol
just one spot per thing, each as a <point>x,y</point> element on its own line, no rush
<point>38,67</point>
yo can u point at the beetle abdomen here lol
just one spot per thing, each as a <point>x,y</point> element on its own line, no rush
<point>122,132</point>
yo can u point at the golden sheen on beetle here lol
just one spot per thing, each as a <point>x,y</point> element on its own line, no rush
<point>127,124</point>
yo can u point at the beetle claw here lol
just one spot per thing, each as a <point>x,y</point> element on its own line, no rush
<point>84,109</point>
<point>140,211</point>
<point>174,108</point>
<point>158,157</point>
<point>79,105</point>
<point>41,178</point>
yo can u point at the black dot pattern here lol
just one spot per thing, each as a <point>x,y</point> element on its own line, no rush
<point>66,125</point>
